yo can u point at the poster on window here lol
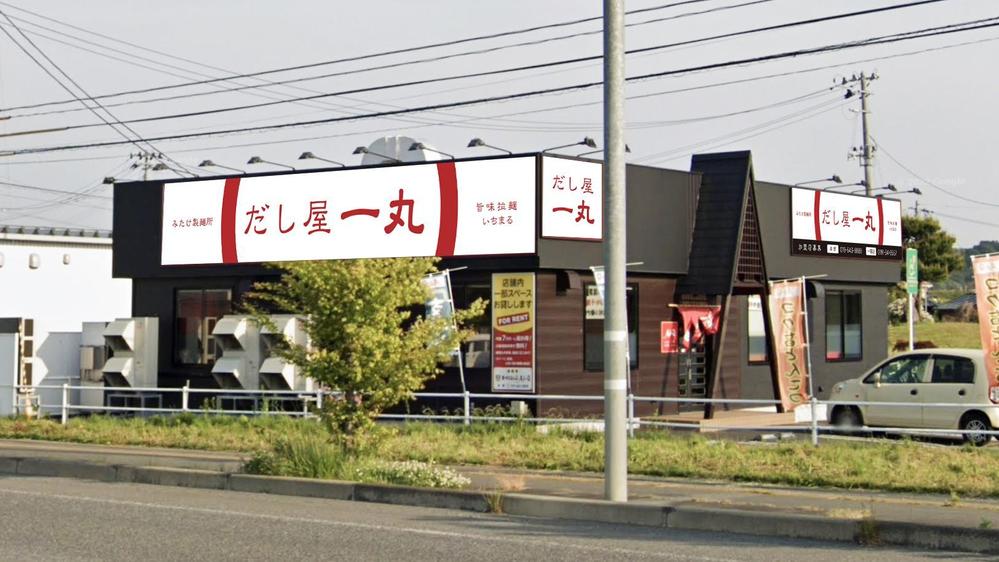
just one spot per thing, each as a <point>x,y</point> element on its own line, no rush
<point>847,226</point>
<point>669,337</point>
<point>513,332</point>
<point>787,299</point>
<point>986,269</point>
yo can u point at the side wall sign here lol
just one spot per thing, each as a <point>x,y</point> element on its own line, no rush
<point>480,207</point>
<point>841,225</point>
<point>571,199</point>
<point>513,323</point>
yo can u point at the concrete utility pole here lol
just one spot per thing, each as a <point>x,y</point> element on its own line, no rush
<point>615,310</point>
<point>866,151</point>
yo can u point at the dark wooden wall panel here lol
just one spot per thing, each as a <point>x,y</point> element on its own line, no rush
<point>728,384</point>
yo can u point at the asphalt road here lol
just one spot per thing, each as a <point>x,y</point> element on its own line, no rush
<point>63,519</point>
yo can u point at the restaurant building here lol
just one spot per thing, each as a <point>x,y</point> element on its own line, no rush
<point>524,232</point>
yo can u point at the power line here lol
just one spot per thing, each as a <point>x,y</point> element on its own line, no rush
<point>372,68</point>
<point>71,81</point>
<point>519,69</point>
<point>887,39</point>
<point>51,190</point>
<point>881,148</point>
<point>965,219</point>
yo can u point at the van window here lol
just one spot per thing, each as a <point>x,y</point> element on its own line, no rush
<point>949,369</point>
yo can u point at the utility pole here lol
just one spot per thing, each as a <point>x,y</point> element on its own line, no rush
<point>147,161</point>
<point>866,151</point>
<point>615,310</point>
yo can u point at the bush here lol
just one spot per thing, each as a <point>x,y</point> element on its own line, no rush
<point>412,473</point>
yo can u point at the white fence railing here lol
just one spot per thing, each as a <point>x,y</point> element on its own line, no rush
<point>277,402</point>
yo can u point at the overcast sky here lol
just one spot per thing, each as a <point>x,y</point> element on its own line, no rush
<point>933,111</point>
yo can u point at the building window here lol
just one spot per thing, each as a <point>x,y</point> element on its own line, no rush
<point>756,335</point>
<point>195,313</point>
<point>593,328</point>
<point>477,350</point>
<point>844,331</point>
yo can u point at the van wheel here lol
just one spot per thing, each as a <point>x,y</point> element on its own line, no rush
<point>975,425</point>
<point>847,419</point>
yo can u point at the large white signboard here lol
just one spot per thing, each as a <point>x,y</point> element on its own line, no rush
<point>571,199</point>
<point>841,225</point>
<point>482,207</point>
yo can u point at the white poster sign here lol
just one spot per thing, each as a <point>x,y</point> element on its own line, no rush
<point>837,224</point>
<point>571,199</point>
<point>482,207</point>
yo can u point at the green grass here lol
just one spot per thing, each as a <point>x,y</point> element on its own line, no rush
<point>297,447</point>
<point>943,334</point>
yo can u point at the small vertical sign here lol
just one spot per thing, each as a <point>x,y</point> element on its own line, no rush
<point>912,271</point>
<point>669,332</point>
<point>513,332</point>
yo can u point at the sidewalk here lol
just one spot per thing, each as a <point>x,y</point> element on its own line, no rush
<point>925,521</point>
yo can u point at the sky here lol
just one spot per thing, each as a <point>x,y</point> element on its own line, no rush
<point>932,108</point>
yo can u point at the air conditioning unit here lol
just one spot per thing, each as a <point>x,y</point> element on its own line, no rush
<point>134,352</point>
<point>239,365</point>
<point>93,355</point>
<point>275,372</point>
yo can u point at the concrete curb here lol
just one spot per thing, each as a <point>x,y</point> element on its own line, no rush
<point>644,513</point>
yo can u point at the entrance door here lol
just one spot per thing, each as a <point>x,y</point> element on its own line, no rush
<point>692,380</point>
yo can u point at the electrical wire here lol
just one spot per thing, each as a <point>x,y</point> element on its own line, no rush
<point>881,148</point>
<point>502,71</point>
<point>882,40</point>
<point>372,55</point>
<point>380,67</point>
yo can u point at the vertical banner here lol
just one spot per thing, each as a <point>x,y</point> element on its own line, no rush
<point>441,305</point>
<point>790,344</point>
<point>513,332</point>
<point>986,270</point>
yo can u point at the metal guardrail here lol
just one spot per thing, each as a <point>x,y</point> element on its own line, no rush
<point>468,415</point>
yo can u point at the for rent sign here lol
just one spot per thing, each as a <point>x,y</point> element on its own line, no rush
<point>482,207</point>
<point>986,270</point>
<point>513,332</point>
<point>789,341</point>
<point>841,225</point>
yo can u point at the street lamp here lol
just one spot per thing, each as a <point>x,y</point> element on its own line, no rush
<point>479,142</point>
<point>626,149</point>
<point>421,146</point>
<point>587,141</point>
<point>833,178</point>
<point>108,180</point>
<point>210,164</point>
<point>889,187</point>
<point>259,160</point>
<point>913,190</point>
<point>365,150</point>
<point>310,156</point>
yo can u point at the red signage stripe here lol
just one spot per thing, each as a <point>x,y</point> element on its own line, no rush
<point>448,179</point>
<point>881,224</point>
<point>229,198</point>
<point>815,215</point>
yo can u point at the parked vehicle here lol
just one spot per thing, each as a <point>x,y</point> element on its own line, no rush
<point>919,378</point>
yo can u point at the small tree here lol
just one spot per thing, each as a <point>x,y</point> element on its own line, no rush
<point>368,344</point>
<point>938,256</point>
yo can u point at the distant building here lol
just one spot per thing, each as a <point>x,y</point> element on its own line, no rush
<point>52,280</point>
<point>958,309</point>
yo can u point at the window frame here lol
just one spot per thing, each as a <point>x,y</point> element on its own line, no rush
<point>633,320</point>
<point>766,347</point>
<point>175,355</point>
<point>841,295</point>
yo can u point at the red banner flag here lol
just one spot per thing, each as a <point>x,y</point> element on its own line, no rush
<point>696,319</point>
<point>790,341</point>
<point>986,270</point>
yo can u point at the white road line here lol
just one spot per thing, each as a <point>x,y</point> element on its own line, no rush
<point>365,526</point>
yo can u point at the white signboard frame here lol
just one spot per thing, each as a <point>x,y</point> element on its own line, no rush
<point>842,225</point>
<point>467,208</point>
<point>571,199</point>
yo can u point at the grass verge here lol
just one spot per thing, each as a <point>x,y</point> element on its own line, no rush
<point>298,448</point>
<point>943,334</point>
